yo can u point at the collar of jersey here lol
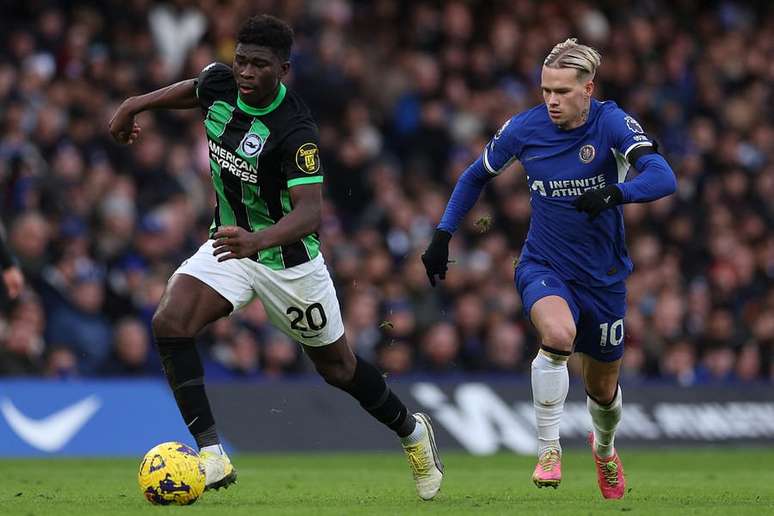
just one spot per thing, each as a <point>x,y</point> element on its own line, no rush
<point>250,110</point>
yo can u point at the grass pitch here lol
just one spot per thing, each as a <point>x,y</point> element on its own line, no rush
<point>706,481</point>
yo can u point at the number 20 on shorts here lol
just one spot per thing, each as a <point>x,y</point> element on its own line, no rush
<point>314,315</point>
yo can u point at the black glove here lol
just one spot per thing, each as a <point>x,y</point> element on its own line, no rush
<point>436,258</point>
<point>595,201</point>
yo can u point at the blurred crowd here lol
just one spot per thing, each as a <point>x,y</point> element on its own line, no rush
<point>406,94</point>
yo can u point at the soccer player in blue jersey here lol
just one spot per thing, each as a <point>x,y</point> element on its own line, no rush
<point>576,152</point>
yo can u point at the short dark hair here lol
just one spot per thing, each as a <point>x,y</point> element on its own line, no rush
<point>267,31</point>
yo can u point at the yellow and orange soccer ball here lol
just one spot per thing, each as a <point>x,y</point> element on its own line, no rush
<point>171,474</point>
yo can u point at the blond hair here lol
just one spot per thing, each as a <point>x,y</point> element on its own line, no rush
<point>571,54</point>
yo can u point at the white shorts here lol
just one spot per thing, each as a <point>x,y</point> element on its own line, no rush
<point>300,301</point>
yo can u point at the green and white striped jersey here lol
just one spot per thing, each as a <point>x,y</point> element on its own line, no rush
<point>256,156</point>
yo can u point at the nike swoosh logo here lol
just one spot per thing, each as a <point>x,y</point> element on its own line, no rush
<point>607,199</point>
<point>532,157</point>
<point>52,432</point>
<point>311,336</point>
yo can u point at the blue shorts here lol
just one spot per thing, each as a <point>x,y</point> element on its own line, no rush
<point>598,311</point>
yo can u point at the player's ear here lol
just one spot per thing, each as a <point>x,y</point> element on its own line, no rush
<point>284,69</point>
<point>589,88</point>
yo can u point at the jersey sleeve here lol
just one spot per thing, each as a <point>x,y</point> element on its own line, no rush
<point>627,134</point>
<point>214,82</point>
<point>502,149</point>
<point>301,156</point>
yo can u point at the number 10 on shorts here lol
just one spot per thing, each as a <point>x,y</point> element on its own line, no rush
<point>614,332</point>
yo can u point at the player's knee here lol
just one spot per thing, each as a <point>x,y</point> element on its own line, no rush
<point>338,374</point>
<point>165,324</point>
<point>603,394</point>
<point>558,336</point>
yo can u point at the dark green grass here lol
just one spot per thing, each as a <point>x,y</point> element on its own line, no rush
<point>706,481</point>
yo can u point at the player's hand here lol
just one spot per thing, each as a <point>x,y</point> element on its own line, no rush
<point>436,258</point>
<point>596,201</point>
<point>235,242</point>
<point>14,281</point>
<point>123,127</point>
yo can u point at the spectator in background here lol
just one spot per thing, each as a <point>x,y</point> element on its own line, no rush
<point>280,355</point>
<point>13,279</point>
<point>235,353</point>
<point>20,350</point>
<point>131,349</point>
<point>29,240</point>
<point>244,359</point>
<point>439,349</point>
<point>399,320</point>
<point>748,364</point>
<point>77,323</point>
<point>21,341</point>
<point>505,350</point>
<point>361,322</point>
<point>60,363</point>
<point>117,216</point>
<point>634,365</point>
<point>396,357</point>
<point>717,365</point>
<point>468,316</point>
<point>678,363</point>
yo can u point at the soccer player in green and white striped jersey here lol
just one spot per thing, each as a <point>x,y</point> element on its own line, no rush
<point>266,171</point>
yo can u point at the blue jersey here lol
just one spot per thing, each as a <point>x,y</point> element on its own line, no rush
<point>561,165</point>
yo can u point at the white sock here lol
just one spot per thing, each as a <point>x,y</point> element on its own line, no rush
<point>605,420</point>
<point>217,449</point>
<point>415,436</point>
<point>550,383</point>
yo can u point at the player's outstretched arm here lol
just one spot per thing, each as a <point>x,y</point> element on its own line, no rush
<point>304,219</point>
<point>181,95</point>
<point>464,196</point>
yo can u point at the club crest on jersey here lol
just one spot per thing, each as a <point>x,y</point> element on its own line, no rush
<point>587,153</point>
<point>308,158</point>
<point>633,125</point>
<point>251,146</point>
